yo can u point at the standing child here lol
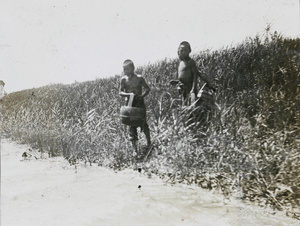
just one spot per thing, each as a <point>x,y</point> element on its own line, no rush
<point>188,73</point>
<point>136,86</point>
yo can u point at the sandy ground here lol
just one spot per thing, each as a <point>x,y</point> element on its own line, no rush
<point>50,192</point>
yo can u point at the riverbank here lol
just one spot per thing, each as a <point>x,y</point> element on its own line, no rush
<point>48,191</point>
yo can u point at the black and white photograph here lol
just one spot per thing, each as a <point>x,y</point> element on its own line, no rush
<point>150,113</point>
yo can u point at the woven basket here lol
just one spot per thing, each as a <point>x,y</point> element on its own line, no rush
<point>132,116</point>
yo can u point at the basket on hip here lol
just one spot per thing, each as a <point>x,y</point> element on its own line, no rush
<point>133,116</point>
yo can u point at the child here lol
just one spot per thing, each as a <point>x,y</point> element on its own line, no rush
<point>188,73</point>
<point>136,86</point>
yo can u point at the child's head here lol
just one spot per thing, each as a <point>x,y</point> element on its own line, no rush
<point>128,67</point>
<point>184,50</point>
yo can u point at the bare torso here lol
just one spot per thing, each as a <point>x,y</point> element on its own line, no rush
<point>185,74</point>
<point>133,84</point>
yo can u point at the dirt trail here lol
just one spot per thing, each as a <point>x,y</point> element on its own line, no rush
<point>49,192</point>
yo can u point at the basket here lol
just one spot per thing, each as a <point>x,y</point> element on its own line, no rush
<point>133,116</point>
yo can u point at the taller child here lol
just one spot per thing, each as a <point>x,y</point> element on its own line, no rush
<point>188,72</point>
<point>133,84</point>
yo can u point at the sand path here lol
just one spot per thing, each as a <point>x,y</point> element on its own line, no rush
<point>50,192</point>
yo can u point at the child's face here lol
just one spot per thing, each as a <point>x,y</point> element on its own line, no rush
<point>128,69</point>
<point>183,52</point>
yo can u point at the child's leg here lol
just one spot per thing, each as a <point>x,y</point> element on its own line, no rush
<point>186,94</point>
<point>146,131</point>
<point>133,136</point>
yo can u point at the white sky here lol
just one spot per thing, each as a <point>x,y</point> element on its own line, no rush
<point>63,41</point>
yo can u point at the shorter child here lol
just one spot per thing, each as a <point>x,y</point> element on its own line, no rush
<point>136,86</point>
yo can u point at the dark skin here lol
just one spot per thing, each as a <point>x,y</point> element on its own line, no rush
<point>188,71</point>
<point>131,83</point>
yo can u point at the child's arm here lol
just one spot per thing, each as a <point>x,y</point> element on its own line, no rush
<point>195,74</point>
<point>146,87</point>
<point>195,80</point>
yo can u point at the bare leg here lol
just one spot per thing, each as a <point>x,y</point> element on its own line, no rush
<point>146,131</point>
<point>134,145</point>
<point>133,137</point>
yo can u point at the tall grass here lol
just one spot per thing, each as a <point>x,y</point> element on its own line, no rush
<point>250,143</point>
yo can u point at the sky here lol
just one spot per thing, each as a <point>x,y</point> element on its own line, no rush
<point>65,41</point>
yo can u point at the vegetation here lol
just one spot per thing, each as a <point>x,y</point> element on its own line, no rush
<point>249,146</point>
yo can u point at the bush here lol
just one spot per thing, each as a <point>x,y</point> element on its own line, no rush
<point>248,142</point>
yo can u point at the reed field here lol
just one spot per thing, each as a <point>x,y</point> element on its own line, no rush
<point>246,145</point>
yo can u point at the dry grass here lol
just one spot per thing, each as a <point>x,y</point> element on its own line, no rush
<point>250,144</point>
